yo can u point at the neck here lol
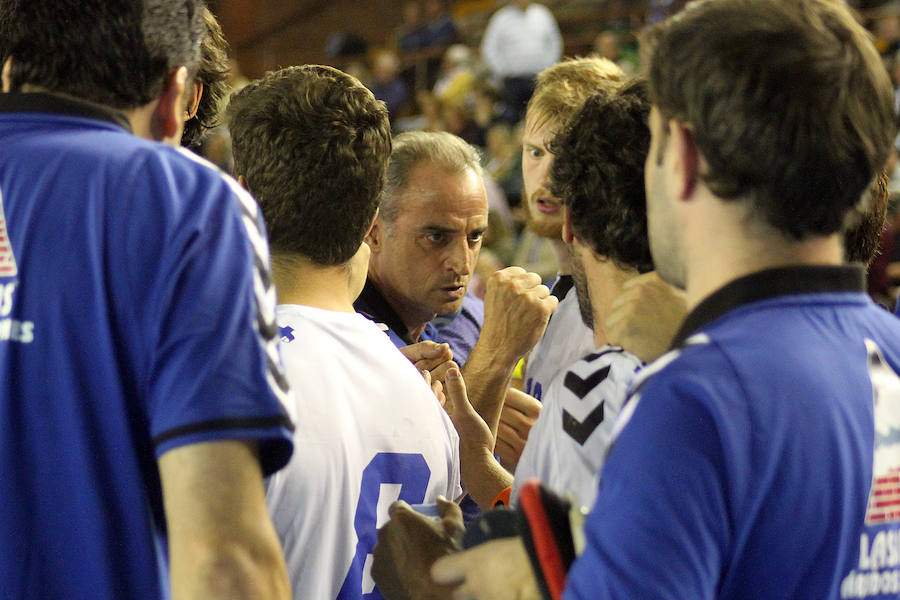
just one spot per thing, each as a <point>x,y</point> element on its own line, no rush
<point>605,281</point>
<point>413,320</point>
<point>563,256</point>
<point>736,244</point>
<point>301,281</point>
<point>140,121</point>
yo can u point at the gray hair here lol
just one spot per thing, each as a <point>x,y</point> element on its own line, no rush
<point>450,152</point>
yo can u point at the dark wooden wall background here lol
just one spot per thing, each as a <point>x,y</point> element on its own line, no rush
<point>267,34</point>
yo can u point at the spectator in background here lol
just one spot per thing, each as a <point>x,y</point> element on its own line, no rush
<point>886,27</point>
<point>387,85</point>
<point>409,35</point>
<point>439,27</point>
<point>456,79</point>
<point>459,121</point>
<point>435,29</point>
<point>608,45</point>
<point>504,161</point>
<point>521,40</point>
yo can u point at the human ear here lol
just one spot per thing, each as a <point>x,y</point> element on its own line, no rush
<point>167,120</point>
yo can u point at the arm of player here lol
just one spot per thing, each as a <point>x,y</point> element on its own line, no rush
<point>516,310</point>
<point>482,476</point>
<point>644,318</point>
<point>221,541</point>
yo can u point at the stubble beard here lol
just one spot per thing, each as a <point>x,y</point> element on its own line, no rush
<point>582,292</point>
<point>542,227</point>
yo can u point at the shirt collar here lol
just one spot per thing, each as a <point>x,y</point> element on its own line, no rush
<point>40,102</point>
<point>372,304</point>
<point>780,281</point>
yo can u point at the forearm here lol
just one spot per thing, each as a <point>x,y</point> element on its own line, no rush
<point>487,374</point>
<point>221,541</point>
<point>229,571</point>
<point>484,478</point>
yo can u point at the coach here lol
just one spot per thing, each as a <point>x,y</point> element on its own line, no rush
<point>425,242</point>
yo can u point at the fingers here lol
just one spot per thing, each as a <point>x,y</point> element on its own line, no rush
<point>398,507</point>
<point>507,454</point>
<point>430,354</point>
<point>439,372</point>
<point>448,509</point>
<point>451,518</point>
<point>516,310</point>
<point>455,390</point>
<point>512,436</point>
<point>438,388</point>
<point>515,280</point>
<point>527,405</point>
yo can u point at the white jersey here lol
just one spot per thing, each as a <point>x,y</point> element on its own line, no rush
<point>568,443</point>
<point>369,431</point>
<point>565,340</point>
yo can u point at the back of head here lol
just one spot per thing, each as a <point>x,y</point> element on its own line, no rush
<point>313,144</point>
<point>788,103</point>
<point>115,53</point>
<point>450,152</point>
<point>562,89</point>
<point>598,173</point>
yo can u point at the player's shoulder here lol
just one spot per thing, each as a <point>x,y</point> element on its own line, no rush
<point>194,175</point>
<point>617,362</point>
<point>693,369</point>
<point>605,373</point>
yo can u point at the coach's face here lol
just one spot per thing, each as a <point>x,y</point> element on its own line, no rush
<point>543,212</point>
<point>665,241</point>
<point>423,261</point>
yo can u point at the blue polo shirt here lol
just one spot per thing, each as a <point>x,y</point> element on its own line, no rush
<point>744,467</point>
<point>134,318</point>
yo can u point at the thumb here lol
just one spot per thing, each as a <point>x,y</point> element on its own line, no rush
<point>455,391</point>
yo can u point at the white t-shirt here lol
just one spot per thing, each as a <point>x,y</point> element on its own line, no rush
<point>520,42</point>
<point>565,340</point>
<point>568,443</point>
<point>368,431</point>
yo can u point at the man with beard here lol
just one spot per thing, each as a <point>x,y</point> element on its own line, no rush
<point>561,90</point>
<point>598,173</point>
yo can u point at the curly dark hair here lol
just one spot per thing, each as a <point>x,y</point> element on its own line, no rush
<point>313,144</point>
<point>864,234</point>
<point>118,54</point>
<point>598,173</point>
<point>213,74</point>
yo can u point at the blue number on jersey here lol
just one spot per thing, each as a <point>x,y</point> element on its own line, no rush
<point>412,473</point>
<point>537,392</point>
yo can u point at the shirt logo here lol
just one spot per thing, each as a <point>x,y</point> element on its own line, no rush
<point>7,260</point>
<point>884,497</point>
